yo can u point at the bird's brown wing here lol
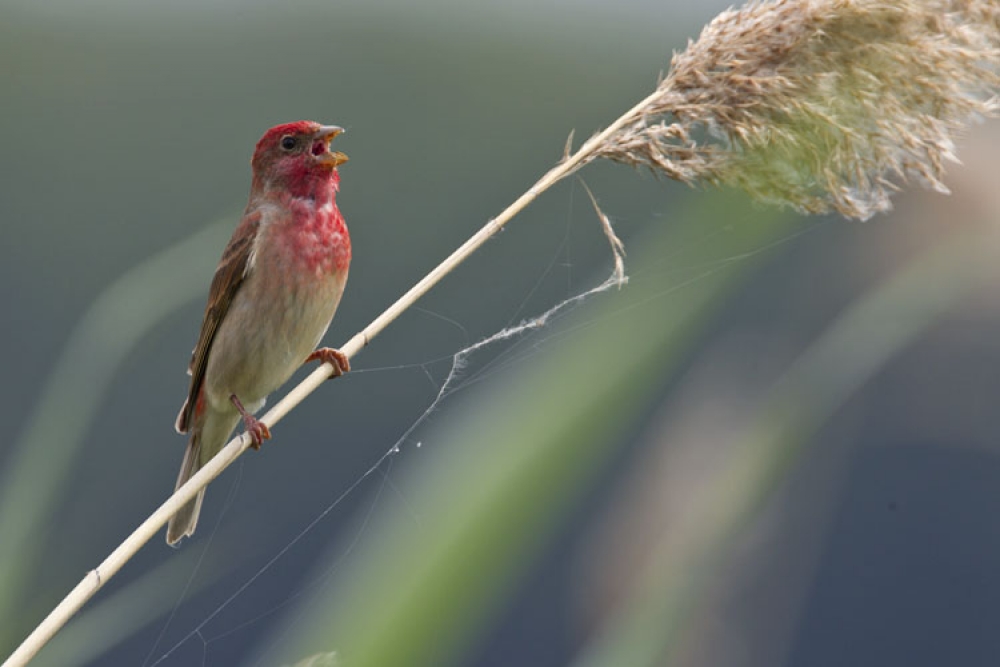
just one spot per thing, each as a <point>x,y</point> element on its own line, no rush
<point>236,262</point>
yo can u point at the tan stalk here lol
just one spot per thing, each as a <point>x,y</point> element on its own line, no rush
<point>100,575</point>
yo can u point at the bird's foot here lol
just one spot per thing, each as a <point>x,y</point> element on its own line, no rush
<point>335,358</point>
<point>258,430</point>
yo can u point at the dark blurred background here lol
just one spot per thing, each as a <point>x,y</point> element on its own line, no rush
<point>775,446</point>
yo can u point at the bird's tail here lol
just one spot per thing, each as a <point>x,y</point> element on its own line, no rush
<point>185,521</point>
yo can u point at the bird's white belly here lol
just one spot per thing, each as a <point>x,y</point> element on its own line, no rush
<point>267,334</point>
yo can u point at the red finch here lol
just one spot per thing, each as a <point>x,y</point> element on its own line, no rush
<point>272,298</point>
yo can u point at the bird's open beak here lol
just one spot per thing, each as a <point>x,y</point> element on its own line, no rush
<point>321,146</point>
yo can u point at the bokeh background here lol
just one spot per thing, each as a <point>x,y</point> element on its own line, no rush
<point>776,446</point>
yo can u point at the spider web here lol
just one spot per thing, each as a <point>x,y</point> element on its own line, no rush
<point>517,341</point>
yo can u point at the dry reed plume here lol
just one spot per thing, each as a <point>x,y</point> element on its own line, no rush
<point>820,104</point>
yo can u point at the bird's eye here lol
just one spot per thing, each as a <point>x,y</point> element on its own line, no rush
<point>288,142</point>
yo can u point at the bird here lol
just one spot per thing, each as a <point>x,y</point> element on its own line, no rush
<point>271,300</point>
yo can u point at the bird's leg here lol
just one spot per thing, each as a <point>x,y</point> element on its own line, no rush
<point>258,430</point>
<point>335,358</point>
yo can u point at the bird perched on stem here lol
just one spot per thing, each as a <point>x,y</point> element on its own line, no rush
<point>272,298</point>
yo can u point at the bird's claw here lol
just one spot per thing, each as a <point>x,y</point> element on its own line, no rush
<point>256,429</point>
<point>335,358</point>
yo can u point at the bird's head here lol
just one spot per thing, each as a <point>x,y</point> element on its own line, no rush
<point>297,156</point>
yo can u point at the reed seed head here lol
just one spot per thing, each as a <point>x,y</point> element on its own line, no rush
<point>820,104</point>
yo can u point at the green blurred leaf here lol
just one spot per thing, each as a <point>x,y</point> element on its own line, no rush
<point>45,452</point>
<point>519,455</point>
<point>654,614</point>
